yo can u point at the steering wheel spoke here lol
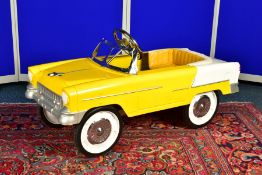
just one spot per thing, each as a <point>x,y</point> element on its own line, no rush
<point>127,42</point>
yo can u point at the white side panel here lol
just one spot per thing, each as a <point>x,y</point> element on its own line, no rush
<point>216,72</point>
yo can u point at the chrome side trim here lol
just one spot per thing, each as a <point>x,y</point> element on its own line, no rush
<point>179,89</point>
<point>234,88</point>
<point>123,93</point>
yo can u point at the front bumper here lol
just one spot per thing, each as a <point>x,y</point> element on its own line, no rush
<point>57,114</point>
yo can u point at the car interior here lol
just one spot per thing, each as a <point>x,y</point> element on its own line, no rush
<point>161,58</point>
<point>156,59</point>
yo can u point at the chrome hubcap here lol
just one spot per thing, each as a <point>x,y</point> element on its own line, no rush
<point>99,131</point>
<point>201,107</point>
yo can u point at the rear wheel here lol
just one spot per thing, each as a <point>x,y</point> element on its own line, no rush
<point>202,109</point>
<point>98,131</point>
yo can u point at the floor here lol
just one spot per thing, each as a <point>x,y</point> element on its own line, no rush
<point>249,92</point>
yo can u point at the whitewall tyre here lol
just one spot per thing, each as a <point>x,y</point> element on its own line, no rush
<point>49,119</point>
<point>98,131</point>
<point>202,109</point>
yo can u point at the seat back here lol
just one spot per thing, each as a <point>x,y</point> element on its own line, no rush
<point>171,57</point>
<point>160,58</point>
<point>184,57</point>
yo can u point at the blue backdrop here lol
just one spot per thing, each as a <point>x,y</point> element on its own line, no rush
<point>62,29</point>
<point>173,23</point>
<point>240,34</point>
<point>6,42</point>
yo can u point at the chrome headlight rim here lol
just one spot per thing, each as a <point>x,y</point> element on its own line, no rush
<point>65,98</point>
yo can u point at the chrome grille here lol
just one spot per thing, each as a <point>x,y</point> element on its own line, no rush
<point>50,97</point>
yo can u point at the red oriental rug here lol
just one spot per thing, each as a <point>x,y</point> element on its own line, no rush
<point>150,144</point>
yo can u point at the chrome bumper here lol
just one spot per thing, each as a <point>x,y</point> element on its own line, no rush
<point>234,88</point>
<point>30,91</point>
<point>58,115</point>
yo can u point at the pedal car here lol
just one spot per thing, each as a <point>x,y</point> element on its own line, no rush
<point>119,76</point>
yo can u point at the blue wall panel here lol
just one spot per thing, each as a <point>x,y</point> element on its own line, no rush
<point>173,23</point>
<point>240,34</point>
<point>6,41</point>
<point>57,30</point>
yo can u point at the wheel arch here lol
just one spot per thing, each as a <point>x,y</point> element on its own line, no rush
<point>117,107</point>
<point>221,88</point>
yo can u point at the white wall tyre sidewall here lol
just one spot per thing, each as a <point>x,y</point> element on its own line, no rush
<point>199,121</point>
<point>113,136</point>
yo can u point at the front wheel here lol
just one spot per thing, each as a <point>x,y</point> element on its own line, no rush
<point>98,131</point>
<point>202,109</point>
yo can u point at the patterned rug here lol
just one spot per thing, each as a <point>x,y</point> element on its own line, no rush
<point>150,144</point>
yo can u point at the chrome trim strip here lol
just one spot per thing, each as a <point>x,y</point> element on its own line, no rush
<point>123,93</point>
<point>179,89</point>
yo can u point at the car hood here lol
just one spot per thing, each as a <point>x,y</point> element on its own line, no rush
<point>73,73</point>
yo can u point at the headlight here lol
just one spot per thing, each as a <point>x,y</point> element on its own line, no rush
<point>30,76</point>
<point>64,98</point>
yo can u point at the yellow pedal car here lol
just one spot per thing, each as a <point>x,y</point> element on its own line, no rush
<point>91,91</point>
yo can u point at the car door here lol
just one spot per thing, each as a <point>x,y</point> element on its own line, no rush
<point>152,90</point>
<point>164,86</point>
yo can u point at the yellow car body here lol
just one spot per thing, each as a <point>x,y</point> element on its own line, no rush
<point>92,91</point>
<point>87,85</point>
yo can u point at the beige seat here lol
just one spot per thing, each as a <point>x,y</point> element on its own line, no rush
<point>171,57</point>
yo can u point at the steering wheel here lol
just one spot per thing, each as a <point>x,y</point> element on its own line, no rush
<point>127,42</point>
